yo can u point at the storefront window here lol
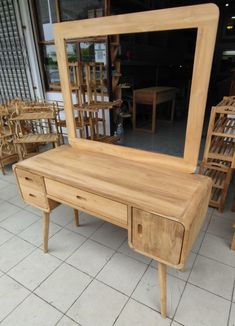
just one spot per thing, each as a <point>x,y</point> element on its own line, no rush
<point>83,9</point>
<point>48,12</point>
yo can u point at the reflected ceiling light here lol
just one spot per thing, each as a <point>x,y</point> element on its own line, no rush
<point>226,4</point>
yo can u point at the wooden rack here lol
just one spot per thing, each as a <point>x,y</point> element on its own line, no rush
<point>34,124</point>
<point>219,159</point>
<point>8,154</point>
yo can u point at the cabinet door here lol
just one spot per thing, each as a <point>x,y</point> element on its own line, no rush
<point>156,236</point>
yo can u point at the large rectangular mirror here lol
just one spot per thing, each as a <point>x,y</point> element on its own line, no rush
<point>97,79</point>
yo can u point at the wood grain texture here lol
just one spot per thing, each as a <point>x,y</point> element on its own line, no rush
<point>160,191</point>
<point>87,201</point>
<point>157,236</point>
<point>203,17</point>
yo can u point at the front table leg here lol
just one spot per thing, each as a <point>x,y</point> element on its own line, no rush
<point>162,280</point>
<point>46,220</point>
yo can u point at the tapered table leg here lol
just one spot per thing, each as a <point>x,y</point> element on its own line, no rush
<point>76,217</point>
<point>162,280</point>
<point>46,221</point>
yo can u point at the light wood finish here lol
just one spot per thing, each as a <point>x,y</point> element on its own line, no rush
<point>153,96</point>
<point>163,291</point>
<point>203,17</point>
<point>131,179</point>
<point>166,246</point>
<point>102,207</point>
<point>46,221</point>
<point>219,155</point>
<point>103,178</point>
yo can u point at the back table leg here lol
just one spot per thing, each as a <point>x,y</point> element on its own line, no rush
<point>46,221</point>
<point>162,281</point>
<point>76,217</point>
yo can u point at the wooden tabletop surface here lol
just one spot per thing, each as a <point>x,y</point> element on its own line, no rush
<point>162,191</point>
<point>158,89</point>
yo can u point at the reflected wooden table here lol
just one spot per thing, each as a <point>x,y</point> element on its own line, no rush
<point>153,96</point>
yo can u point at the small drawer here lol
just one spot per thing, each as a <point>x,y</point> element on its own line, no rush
<point>95,204</point>
<point>32,189</point>
<point>156,236</point>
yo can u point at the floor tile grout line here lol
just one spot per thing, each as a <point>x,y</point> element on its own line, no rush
<point>186,282</point>
<point>231,305</point>
<point>130,296</point>
<point>216,260</point>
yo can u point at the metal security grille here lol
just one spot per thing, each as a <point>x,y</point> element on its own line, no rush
<point>15,79</point>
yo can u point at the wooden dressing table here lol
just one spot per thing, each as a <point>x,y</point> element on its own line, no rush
<point>155,196</point>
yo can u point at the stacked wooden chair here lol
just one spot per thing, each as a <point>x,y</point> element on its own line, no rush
<point>219,155</point>
<point>8,153</point>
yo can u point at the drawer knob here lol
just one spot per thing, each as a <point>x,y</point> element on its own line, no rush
<point>32,195</point>
<point>28,179</point>
<point>81,198</point>
<point>140,230</point>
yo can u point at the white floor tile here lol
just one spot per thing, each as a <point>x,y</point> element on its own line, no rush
<point>11,294</point>
<point>64,243</point>
<point>213,276</point>
<point>3,183</point>
<point>207,220</point>
<point>90,257</point>
<point>184,274</point>
<point>19,221</point>
<point>13,251</point>
<point>34,269</point>
<point>122,273</point>
<point>221,227</point>
<point>136,314</point>
<point>62,215</point>
<point>63,287</point>
<point>65,321</point>
<point>7,209</point>
<point>148,291</point>
<point>99,305</point>
<point>217,248</point>
<point>5,235</point>
<point>34,233</point>
<point>198,307</point>
<point>110,235</point>
<point>18,201</point>
<point>175,324</point>
<point>33,312</point>
<point>125,249</point>
<point>9,191</point>
<point>198,242</point>
<point>88,224</point>
<point>226,214</point>
<point>34,210</point>
<point>232,316</point>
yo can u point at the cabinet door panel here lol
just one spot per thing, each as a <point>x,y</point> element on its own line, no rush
<point>156,236</point>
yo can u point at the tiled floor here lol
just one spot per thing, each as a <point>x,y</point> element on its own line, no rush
<point>90,276</point>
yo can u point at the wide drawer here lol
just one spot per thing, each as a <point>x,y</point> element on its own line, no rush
<point>156,236</point>
<point>32,188</point>
<point>95,204</point>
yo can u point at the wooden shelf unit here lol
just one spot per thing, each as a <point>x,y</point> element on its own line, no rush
<point>219,155</point>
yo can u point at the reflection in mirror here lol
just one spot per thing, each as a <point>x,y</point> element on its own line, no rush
<point>133,90</point>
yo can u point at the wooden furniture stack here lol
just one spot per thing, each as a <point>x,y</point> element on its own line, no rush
<point>154,196</point>
<point>34,124</point>
<point>114,44</point>
<point>90,88</point>
<point>8,153</point>
<point>219,154</point>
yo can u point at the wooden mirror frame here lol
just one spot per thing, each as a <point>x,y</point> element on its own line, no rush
<point>203,17</point>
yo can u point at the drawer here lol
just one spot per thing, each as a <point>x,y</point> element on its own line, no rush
<point>95,204</point>
<point>156,236</point>
<point>32,188</point>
